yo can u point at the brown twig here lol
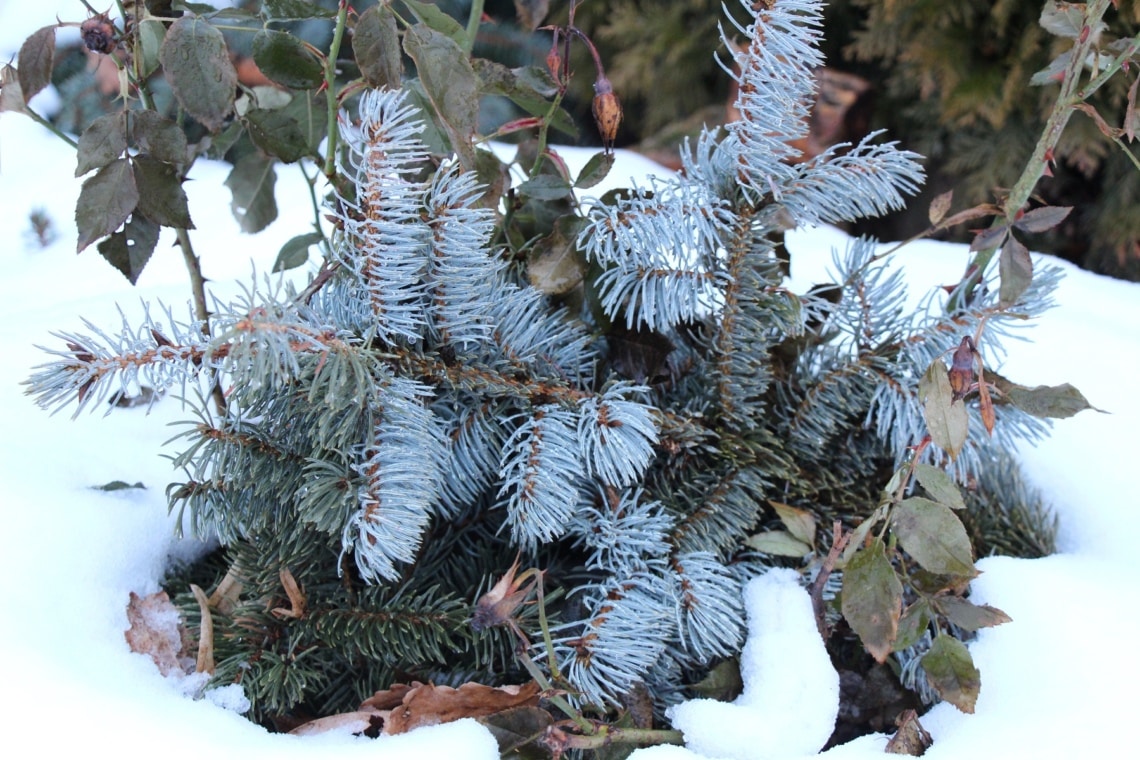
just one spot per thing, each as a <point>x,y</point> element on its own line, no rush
<point>325,274</point>
<point>839,541</point>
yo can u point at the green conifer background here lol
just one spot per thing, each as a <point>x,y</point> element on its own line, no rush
<point>949,80</point>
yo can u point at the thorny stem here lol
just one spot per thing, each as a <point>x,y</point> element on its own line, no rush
<point>473,21</point>
<point>1071,95</point>
<point>608,735</point>
<point>311,181</point>
<point>197,280</point>
<point>537,673</point>
<point>201,311</point>
<point>324,274</point>
<point>50,127</point>
<point>1127,152</point>
<point>330,84</point>
<point>904,482</point>
<point>543,131</point>
<point>1110,70</point>
<point>839,541</point>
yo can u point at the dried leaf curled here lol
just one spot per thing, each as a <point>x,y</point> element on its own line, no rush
<point>939,206</point>
<point>297,599</point>
<point>427,704</point>
<point>205,663</point>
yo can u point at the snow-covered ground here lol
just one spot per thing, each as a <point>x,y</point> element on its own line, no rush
<point>1058,682</point>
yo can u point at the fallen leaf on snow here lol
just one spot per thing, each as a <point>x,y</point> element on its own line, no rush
<point>156,630</point>
<point>911,738</point>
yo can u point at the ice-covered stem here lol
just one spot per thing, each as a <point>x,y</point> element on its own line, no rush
<point>1072,94</point>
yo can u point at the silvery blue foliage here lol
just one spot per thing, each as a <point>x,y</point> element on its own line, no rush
<point>400,475</point>
<point>427,386</point>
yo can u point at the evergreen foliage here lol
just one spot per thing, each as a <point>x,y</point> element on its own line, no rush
<point>395,435</point>
<point>954,82</point>
<point>958,83</point>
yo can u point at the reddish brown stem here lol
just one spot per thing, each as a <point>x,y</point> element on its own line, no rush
<point>839,541</point>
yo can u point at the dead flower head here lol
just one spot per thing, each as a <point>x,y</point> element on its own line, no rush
<point>499,605</point>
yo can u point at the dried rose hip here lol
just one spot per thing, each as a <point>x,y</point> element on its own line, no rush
<point>98,34</point>
<point>607,111</point>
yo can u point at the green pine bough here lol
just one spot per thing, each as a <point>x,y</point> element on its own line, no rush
<point>620,396</point>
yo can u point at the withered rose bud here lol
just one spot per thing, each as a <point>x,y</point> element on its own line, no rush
<point>962,368</point>
<point>607,111</point>
<point>554,64</point>
<point>499,605</point>
<point>98,34</point>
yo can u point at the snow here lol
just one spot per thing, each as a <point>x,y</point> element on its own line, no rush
<point>789,704</point>
<point>1057,682</point>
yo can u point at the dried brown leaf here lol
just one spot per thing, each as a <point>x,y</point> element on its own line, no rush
<point>799,522</point>
<point>970,214</point>
<point>156,630</point>
<point>969,616</point>
<point>911,738</point>
<point>939,206</point>
<point>986,405</point>
<point>390,698</point>
<point>1105,128</point>
<point>427,705</point>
